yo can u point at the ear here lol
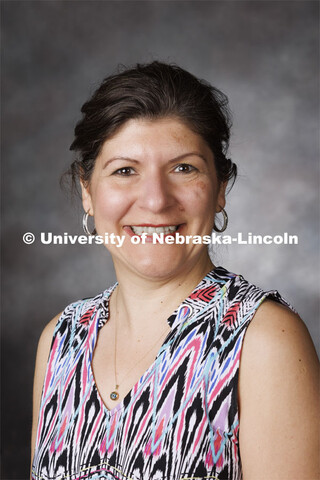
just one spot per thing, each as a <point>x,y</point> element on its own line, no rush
<point>86,198</point>
<point>221,198</point>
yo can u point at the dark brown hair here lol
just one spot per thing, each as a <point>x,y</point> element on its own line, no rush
<point>152,91</point>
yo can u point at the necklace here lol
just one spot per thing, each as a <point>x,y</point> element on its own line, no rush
<point>114,395</point>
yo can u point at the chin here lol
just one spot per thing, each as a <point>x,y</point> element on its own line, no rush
<point>159,266</point>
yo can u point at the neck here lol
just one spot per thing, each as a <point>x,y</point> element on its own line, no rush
<point>144,304</point>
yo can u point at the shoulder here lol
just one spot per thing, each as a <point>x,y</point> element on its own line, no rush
<point>278,395</point>
<point>237,292</point>
<point>76,313</point>
<point>277,331</point>
<point>62,324</point>
<point>278,345</point>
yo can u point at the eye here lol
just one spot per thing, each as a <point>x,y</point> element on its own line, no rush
<point>185,168</point>
<point>124,171</point>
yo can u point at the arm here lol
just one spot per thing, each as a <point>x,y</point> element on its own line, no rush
<point>40,371</point>
<point>278,398</point>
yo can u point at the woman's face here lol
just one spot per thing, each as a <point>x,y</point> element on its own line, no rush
<point>155,174</point>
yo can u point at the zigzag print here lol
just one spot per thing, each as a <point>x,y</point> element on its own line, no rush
<point>204,294</point>
<point>230,318</point>
<point>179,422</point>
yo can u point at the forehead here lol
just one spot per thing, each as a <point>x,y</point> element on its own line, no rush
<point>164,137</point>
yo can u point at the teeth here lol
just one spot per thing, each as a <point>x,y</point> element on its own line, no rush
<point>151,230</point>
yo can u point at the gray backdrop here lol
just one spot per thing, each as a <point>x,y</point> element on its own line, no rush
<point>263,54</point>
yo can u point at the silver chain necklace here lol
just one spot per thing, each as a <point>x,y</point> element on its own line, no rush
<point>114,395</point>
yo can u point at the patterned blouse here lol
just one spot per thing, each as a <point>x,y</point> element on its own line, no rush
<point>180,421</point>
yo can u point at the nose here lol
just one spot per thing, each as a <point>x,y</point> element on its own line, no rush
<point>155,193</point>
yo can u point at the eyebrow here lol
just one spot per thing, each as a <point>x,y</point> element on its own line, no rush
<point>133,160</point>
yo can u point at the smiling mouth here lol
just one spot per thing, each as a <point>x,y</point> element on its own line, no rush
<point>166,229</point>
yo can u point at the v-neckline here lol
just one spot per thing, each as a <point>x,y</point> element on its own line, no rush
<point>139,384</point>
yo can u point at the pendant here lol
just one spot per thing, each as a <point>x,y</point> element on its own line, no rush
<point>114,395</point>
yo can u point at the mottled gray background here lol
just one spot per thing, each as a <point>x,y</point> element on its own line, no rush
<point>263,54</point>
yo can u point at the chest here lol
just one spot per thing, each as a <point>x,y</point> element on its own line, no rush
<point>192,366</point>
<point>179,420</point>
<point>119,363</point>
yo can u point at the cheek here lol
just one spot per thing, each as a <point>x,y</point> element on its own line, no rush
<point>109,205</point>
<point>200,199</point>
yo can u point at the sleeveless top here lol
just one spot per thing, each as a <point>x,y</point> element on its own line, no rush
<point>180,421</point>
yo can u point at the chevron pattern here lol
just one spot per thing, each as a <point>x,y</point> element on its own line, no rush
<point>179,422</point>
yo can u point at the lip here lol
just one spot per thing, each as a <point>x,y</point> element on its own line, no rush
<point>130,232</point>
<point>154,225</point>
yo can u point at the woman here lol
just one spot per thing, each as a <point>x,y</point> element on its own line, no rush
<point>144,381</point>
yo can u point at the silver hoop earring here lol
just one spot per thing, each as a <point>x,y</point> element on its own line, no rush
<point>85,226</point>
<point>225,222</point>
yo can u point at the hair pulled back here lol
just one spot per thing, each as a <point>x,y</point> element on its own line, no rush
<point>152,91</point>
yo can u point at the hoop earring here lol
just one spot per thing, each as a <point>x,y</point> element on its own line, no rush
<point>85,226</point>
<point>225,222</point>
